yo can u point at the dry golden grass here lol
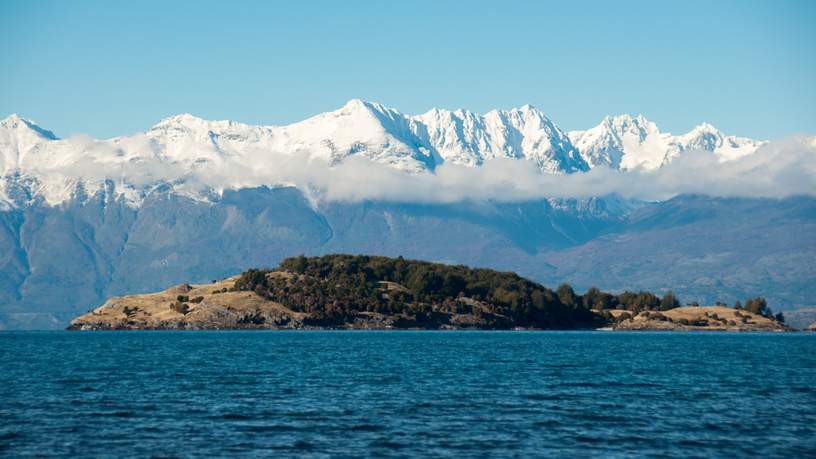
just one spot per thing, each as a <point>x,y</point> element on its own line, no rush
<point>701,318</point>
<point>153,310</point>
<point>618,312</point>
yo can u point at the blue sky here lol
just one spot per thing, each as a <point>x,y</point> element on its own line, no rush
<point>112,68</point>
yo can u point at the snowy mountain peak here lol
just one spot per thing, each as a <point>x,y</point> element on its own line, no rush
<point>354,104</point>
<point>634,142</point>
<point>180,119</point>
<point>18,138</point>
<point>16,122</point>
<point>12,120</point>
<point>624,125</point>
<point>625,122</point>
<point>703,137</point>
<point>191,124</point>
<point>358,107</point>
<point>467,138</point>
<point>358,128</point>
<point>526,111</point>
<point>703,128</point>
<point>606,144</point>
<point>359,104</point>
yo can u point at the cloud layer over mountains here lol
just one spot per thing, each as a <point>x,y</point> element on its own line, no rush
<point>777,169</point>
<point>365,151</point>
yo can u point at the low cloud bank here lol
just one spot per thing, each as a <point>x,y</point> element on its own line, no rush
<point>778,169</point>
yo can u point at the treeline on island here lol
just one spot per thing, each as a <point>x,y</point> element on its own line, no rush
<point>642,301</point>
<point>334,289</point>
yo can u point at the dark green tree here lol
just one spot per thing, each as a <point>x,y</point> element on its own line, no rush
<point>757,305</point>
<point>669,301</point>
<point>566,295</point>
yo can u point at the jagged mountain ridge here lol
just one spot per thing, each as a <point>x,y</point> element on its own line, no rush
<point>630,142</point>
<point>34,163</point>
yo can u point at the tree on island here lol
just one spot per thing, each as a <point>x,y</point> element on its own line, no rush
<point>566,295</point>
<point>780,317</point>
<point>669,301</point>
<point>757,305</point>
<point>598,300</point>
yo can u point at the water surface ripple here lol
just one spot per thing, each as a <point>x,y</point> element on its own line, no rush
<point>407,394</point>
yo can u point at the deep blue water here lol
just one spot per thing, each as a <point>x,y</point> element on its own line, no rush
<point>502,394</point>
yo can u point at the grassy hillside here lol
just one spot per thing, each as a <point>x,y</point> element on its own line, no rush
<point>353,291</point>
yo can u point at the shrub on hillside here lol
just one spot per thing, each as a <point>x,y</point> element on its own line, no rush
<point>181,308</point>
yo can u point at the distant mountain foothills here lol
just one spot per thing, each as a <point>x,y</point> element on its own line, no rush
<point>801,319</point>
<point>362,292</point>
<point>191,200</point>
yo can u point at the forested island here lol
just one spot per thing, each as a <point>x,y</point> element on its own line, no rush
<point>373,292</point>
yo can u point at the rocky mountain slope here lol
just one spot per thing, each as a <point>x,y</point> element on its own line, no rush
<point>801,318</point>
<point>57,261</point>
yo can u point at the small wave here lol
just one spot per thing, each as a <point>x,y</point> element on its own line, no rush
<point>366,428</point>
<point>235,417</point>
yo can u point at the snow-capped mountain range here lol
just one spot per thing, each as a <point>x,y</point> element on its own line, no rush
<point>627,142</point>
<point>34,163</point>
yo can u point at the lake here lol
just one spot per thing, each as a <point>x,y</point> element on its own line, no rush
<point>407,394</point>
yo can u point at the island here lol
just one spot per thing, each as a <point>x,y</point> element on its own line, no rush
<point>373,292</point>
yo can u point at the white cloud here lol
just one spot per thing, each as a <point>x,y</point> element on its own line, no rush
<point>778,169</point>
